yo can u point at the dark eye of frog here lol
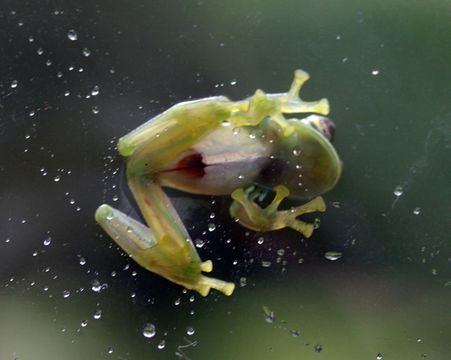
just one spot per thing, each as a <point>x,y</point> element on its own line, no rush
<point>321,123</point>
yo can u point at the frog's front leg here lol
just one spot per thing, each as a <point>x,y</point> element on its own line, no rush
<point>164,247</point>
<point>252,216</point>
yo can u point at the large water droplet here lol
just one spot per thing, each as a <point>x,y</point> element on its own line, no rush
<point>398,191</point>
<point>72,35</point>
<point>97,314</point>
<point>149,330</point>
<point>333,255</point>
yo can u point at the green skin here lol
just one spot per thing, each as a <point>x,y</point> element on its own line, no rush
<point>215,146</point>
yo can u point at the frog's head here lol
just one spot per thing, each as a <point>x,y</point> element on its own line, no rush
<point>322,124</point>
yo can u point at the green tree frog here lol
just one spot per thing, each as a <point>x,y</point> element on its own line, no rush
<point>216,146</point>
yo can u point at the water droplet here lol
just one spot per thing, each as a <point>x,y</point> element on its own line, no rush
<point>398,191</point>
<point>95,285</point>
<point>417,211</point>
<point>32,112</point>
<point>375,72</point>
<point>211,227</point>
<point>40,51</point>
<point>67,93</point>
<point>243,281</point>
<point>161,344</point>
<point>434,272</point>
<point>190,330</point>
<point>66,294</point>
<point>336,204</point>
<point>260,240</point>
<point>110,350</point>
<point>14,84</point>
<point>266,264</point>
<point>294,333</point>
<point>318,348</point>
<point>115,197</point>
<point>333,255</point>
<point>233,82</point>
<point>419,340</point>
<point>82,261</point>
<point>56,178</point>
<point>86,52</point>
<point>296,151</point>
<point>149,330</point>
<point>199,243</point>
<point>252,135</point>
<point>48,62</point>
<point>379,356</point>
<point>47,241</point>
<point>84,323</point>
<point>236,130</point>
<point>281,252</point>
<point>30,38</point>
<point>177,302</point>
<point>95,90</point>
<point>97,314</point>
<point>268,314</point>
<point>72,35</point>
<point>95,110</point>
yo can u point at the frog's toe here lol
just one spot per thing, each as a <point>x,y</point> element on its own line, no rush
<point>206,266</point>
<point>205,283</point>
<point>304,228</point>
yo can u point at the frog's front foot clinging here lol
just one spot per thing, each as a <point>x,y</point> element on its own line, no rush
<point>252,216</point>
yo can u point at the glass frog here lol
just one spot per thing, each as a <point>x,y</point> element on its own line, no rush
<point>216,146</point>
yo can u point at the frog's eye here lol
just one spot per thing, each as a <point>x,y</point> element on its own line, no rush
<point>323,124</point>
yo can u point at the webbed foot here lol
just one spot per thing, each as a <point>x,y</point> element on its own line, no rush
<point>252,216</point>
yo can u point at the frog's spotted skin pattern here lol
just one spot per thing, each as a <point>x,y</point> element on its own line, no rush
<point>217,146</point>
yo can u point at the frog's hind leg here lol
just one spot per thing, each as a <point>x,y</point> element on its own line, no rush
<point>252,216</point>
<point>164,247</point>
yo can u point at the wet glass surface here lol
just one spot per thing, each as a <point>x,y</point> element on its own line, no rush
<point>374,279</point>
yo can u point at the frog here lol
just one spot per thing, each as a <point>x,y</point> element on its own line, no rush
<point>244,149</point>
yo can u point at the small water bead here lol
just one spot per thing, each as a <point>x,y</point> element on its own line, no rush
<point>95,90</point>
<point>281,252</point>
<point>434,272</point>
<point>72,35</point>
<point>96,286</point>
<point>243,281</point>
<point>260,240</point>
<point>375,72</point>
<point>149,330</point>
<point>84,323</point>
<point>14,84</point>
<point>67,93</point>
<point>199,243</point>
<point>296,151</point>
<point>47,241</point>
<point>110,350</point>
<point>190,330</point>
<point>211,227</point>
<point>86,52</point>
<point>419,340</point>
<point>97,314</point>
<point>82,261</point>
<point>333,255</point>
<point>57,178</point>
<point>40,51</point>
<point>379,356</point>
<point>48,62</point>
<point>161,344</point>
<point>30,38</point>
<point>177,302</point>
<point>294,333</point>
<point>95,110</point>
<point>233,82</point>
<point>66,294</point>
<point>398,191</point>
<point>417,211</point>
<point>266,264</point>
<point>32,113</point>
<point>115,197</point>
<point>318,348</point>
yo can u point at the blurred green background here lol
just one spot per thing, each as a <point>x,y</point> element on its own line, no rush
<point>383,65</point>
